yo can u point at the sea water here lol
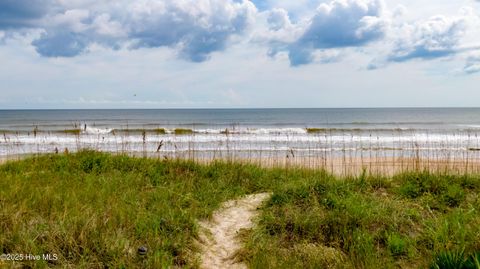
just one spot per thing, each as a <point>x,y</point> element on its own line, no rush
<point>245,133</point>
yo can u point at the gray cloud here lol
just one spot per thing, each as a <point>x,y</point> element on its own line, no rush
<point>357,23</point>
<point>194,28</point>
<point>437,37</point>
<point>22,13</point>
<point>60,44</point>
<point>348,23</point>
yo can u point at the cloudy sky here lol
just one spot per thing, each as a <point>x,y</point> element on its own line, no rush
<point>239,53</point>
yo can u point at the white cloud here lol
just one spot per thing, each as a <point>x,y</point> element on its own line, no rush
<point>343,23</point>
<point>447,37</point>
<point>74,20</point>
<point>103,25</point>
<point>278,29</point>
<point>436,37</point>
<point>278,19</point>
<point>338,24</point>
<point>195,28</point>
<point>399,11</point>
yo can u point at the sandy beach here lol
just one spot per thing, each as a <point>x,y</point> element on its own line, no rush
<point>347,166</point>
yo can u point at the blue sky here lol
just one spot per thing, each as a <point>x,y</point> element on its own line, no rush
<point>238,53</point>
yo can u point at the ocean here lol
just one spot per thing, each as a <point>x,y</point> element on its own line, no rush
<point>245,133</point>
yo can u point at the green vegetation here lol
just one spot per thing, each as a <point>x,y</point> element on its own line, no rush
<point>95,210</point>
<point>415,220</point>
<point>180,131</point>
<point>456,259</point>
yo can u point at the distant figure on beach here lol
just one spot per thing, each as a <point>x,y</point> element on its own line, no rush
<point>85,127</point>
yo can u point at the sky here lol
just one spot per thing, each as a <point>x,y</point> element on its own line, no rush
<point>61,54</point>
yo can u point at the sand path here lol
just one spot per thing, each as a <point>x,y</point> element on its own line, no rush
<point>219,242</point>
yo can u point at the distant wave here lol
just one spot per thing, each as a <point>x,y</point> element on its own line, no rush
<point>93,130</point>
<point>271,131</point>
<point>225,131</point>
<point>470,126</point>
<point>391,123</point>
<point>470,129</point>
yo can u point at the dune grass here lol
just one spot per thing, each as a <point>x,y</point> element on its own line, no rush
<point>94,210</point>
<point>413,220</point>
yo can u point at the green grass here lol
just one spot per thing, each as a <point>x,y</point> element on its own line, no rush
<point>95,210</point>
<point>368,222</point>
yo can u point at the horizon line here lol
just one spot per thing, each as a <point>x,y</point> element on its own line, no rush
<point>245,108</point>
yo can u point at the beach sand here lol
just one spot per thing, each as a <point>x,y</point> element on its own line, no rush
<point>386,166</point>
<point>346,166</point>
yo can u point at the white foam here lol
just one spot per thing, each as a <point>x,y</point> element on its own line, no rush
<point>93,130</point>
<point>278,131</point>
<point>210,131</point>
<point>266,139</point>
<point>471,126</point>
